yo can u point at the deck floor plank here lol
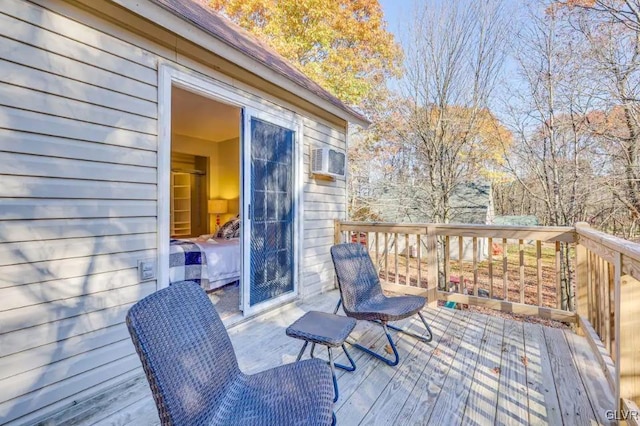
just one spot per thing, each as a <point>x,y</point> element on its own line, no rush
<point>480,407</point>
<point>449,408</point>
<point>598,390</point>
<point>463,377</point>
<point>358,404</point>
<point>512,407</point>
<point>544,407</point>
<point>574,402</point>
<point>350,383</point>
<point>389,404</point>
<point>420,404</point>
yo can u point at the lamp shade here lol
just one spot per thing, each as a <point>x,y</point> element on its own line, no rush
<point>218,206</point>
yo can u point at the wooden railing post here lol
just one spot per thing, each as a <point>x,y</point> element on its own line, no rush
<point>337,233</point>
<point>582,276</point>
<point>432,267</point>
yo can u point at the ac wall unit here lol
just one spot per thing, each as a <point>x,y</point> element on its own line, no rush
<point>327,162</point>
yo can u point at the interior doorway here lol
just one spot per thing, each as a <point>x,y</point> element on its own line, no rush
<point>205,194</point>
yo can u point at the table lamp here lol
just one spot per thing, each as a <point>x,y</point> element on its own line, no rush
<point>218,207</point>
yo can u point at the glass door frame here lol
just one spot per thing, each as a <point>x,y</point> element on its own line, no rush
<point>292,122</point>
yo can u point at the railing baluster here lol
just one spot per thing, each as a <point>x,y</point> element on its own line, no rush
<point>594,288</point>
<point>521,263</point>
<point>505,264</point>
<point>386,256</point>
<point>590,286</point>
<point>377,252</point>
<point>475,266</point>
<point>447,263</point>
<point>490,250</point>
<point>598,323</point>
<point>407,249</point>
<point>539,270</point>
<point>461,285</point>
<point>395,254</point>
<point>607,311</point>
<point>419,260</point>
<point>558,278</point>
<point>603,317</point>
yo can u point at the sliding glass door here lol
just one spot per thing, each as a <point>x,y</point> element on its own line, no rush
<point>270,211</point>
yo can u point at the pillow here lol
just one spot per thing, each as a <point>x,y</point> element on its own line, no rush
<point>230,229</point>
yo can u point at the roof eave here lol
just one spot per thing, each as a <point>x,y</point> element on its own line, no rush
<point>183,27</point>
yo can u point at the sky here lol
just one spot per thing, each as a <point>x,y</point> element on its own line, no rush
<point>398,14</point>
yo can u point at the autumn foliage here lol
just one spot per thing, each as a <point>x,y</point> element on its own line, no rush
<point>343,45</point>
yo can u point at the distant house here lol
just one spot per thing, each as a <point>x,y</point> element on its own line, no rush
<point>471,203</point>
<point>512,220</point>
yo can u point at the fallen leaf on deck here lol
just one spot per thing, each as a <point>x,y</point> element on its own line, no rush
<point>436,351</point>
<point>524,360</point>
<point>388,349</point>
<point>496,370</point>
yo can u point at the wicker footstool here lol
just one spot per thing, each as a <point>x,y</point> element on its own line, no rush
<point>324,329</point>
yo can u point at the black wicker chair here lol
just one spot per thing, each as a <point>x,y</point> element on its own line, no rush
<point>194,375</point>
<point>362,298</point>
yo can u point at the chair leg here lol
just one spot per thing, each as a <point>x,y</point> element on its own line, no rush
<point>412,334</point>
<point>304,346</point>
<point>335,311</point>
<point>391,362</point>
<point>345,367</point>
<point>333,375</point>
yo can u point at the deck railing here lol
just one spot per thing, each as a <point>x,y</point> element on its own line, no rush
<point>575,275</point>
<point>608,308</point>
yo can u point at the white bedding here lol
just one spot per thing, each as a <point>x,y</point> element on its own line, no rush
<point>223,260</point>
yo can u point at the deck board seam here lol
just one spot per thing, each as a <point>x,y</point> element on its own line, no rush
<point>582,380</point>
<point>467,329</point>
<point>438,312</point>
<point>500,367</point>
<point>475,369</point>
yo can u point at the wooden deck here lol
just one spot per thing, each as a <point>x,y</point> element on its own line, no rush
<point>478,370</point>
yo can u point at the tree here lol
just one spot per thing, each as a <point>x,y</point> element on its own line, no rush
<point>612,30</point>
<point>455,51</point>
<point>343,45</point>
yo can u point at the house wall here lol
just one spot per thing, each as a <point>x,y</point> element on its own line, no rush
<point>78,160</point>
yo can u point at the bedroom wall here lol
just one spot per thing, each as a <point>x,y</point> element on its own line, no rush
<point>78,166</point>
<point>228,170</point>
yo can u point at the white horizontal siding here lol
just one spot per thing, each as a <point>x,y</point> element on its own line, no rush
<point>20,75</point>
<point>51,270</point>
<point>61,66</point>
<point>12,163</point>
<point>56,147</point>
<point>51,125</point>
<point>79,201</point>
<point>26,340</point>
<point>37,251</point>
<point>78,32</point>
<point>36,208</point>
<point>58,229</point>
<point>39,187</point>
<point>78,124</point>
<point>27,33</point>
<point>33,100</point>
<point>40,356</point>
<point>27,295</point>
<point>325,202</point>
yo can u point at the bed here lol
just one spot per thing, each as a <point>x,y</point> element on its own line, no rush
<point>212,263</point>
